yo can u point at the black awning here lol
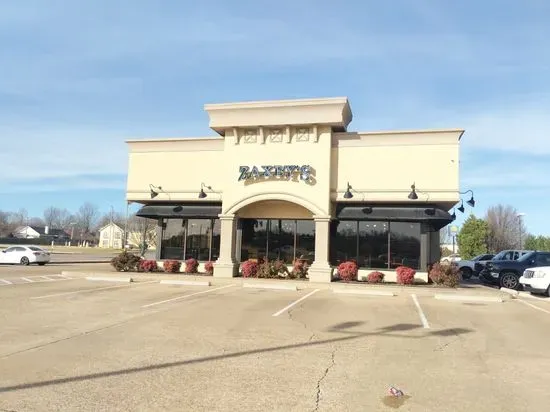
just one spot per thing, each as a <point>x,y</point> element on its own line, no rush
<point>179,211</point>
<point>437,218</point>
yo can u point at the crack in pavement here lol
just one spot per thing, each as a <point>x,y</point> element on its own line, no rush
<point>318,395</point>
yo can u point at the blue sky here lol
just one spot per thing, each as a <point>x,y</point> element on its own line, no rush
<point>78,78</point>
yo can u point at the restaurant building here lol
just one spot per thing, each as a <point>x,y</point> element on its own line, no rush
<point>286,179</point>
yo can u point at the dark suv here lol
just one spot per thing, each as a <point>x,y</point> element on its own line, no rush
<point>506,273</point>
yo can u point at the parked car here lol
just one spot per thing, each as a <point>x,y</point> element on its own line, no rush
<point>451,258</point>
<point>506,273</point>
<point>508,254</point>
<point>25,255</point>
<point>467,267</point>
<point>536,280</point>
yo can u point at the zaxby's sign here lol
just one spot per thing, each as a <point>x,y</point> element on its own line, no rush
<point>280,171</point>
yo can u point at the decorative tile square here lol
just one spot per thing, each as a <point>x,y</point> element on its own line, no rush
<point>276,136</point>
<point>302,134</point>
<point>250,136</point>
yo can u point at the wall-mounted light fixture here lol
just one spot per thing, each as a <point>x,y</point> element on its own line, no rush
<point>453,215</point>
<point>413,195</point>
<point>154,190</point>
<point>472,201</point>
<point>202,193</point>
<point>347,193</point>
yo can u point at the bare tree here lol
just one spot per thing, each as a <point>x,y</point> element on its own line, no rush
<point>505,228</point>
<point>64,219</point>
<point>20,217</point>
<point>87,217</point>
<point>141,229</point>
<point>51,216</point>
<point>36,221</point>
<point>116,218</point>
<point>6,226</point>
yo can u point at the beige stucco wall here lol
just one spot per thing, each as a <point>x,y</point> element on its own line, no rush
<point>380,166</point>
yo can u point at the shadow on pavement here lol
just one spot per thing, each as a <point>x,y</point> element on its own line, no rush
<point>385,331</point>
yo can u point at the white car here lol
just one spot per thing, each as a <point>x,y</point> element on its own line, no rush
<point>536,280</point>
<point>451,258</point>
<point>25,255</point>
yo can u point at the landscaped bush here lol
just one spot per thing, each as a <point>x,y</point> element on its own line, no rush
<point>446,275</point>
<point>299,269</point>
<point>347,271</point>
<point>209,268</point>
<point>191,265</point>
<point>126,262</point>
<point>147,265</point>
<point>172,266</point>
<point>249,269</point>
<point>405,275</point>
<point>272,269</point>
<point>375,277</point>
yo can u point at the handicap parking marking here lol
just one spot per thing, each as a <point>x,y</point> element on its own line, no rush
<point>25,280</point>
<point>75,292</point>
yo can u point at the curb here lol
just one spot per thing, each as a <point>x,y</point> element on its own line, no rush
<point>366,292</point>
<point>184,282</point>
<point>270,286</point>
<point>72,262</point>
<point>110,279</point>
<point>468,298</point>
<point>514,293</point>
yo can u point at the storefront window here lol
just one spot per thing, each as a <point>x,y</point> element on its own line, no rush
<point>254,238</point>
<point>173,238</point>
<point>198,243</point>
<point>405,244</point>
<point>193,238</point>
<point>281,240</point>
<point>344,241</point>
<point>376,245</point>
<point>305,240</point>
<point>215,241</point>
<point>284,239</point>
<point>373,245</point>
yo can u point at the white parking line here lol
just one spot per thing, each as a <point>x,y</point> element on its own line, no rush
<point>283,310</point>
<point>90,290</point>
<point>47,278</point>
<point>27,280</point>
<point>420,312</point>
<point>533,306</point>
<point>185,296</point>
<point>6,282</point>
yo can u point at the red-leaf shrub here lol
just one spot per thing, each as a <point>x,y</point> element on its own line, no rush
<point>405,275</point>
<point>209,268</point>
<point>375,277</point>
<point>347,271</point>
<point>299,269</point>
<point>249,269</point>
<point>191,265</point>
<point>172,266</point>
<point>148,265</point>
<point>446,275</point>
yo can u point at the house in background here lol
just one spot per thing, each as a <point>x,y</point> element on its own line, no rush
<point>111,236</point>
<point>42,232</point>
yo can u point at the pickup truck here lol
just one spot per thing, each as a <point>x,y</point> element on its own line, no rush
<point>507,273</point>
<point>536,280</point>
<point>467,267</point>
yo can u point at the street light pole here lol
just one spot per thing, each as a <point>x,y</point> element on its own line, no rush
<point>520,216</point>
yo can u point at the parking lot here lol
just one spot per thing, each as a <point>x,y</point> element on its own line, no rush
<point>73,344</point>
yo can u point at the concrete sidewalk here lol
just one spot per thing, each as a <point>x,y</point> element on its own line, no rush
<point>419,289</point>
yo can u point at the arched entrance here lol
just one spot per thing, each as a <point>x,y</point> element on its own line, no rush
<point>275,230</point>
